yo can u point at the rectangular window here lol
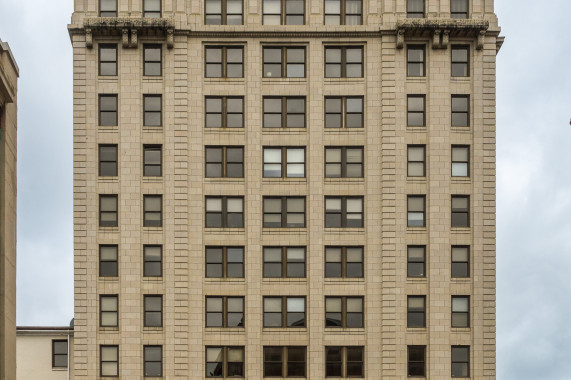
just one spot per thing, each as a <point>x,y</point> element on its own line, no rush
<point>224,161</point>
<point>284,212</point>
<point>460,261</point>
<point>224,262</point>
<point>460,161</point>
<point>109,311</point>
<point>152,8</point>
<point>344,362</point>
<point>282,361</point>
<point>459,8</point>
<point>416,110</point>
<point>224,12</point>
<point>152,60</point>
<point>108,59</point>
<point>152,160</point>
<point>284,311</point>
<point>152,210</point>
<point>345,312</point>
<point>224,212</point>
<point>284,62</point>
<point>109,361</point>
<point>344,212</point>
<point>153,310</point>
<point>415,8</point>
<point>108,257</point>
<point>224,362</point>
<point>344,262</point>
<point>416,211</point>
<point>107,8</point>
<point>416,165</point>
<point>153,260</point>
<point>344,62</point>
<point>152,108</point>
<point>224,112</point>
<point>284,12</point>
<point>416,361</point>
<point>284,112</point>
<point>343,12</point>
<point>416,311</point>
<point>344,162</point>
<point>416,60</point>
<point>284,262</point>
<point>460,361</point>
<point>344,112</point>
<point>224,61</point>
<point>460,61</point>
<point>416,261</point>
<point>284,162</point>
<point>460,211</point>
<point>59,353</point>
<point>460,111</point>
<point>460,311</point>
<point>153,360</point>
<point>224,311</point>
<point>107,160</point>
<point>108,215</point>
<point>107,110</point>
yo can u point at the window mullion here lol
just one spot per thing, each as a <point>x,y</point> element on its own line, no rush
<point>283,12</point>
<point>284,361</point>
<point>224,212</point>
<point>284,162</point>
<point>284,311</point>
<point>284,262</point>
<point>284,212</point>
<point>344,262</point>
<point>344,110</point>
<point>284,62</point>
<point>284,108</point>
<point>344,62</point>
<point>224,12</point>
<point>344,312</point>
<point>224,51</point>
<point>224,111</point>
<point>344,361</point>
<point>224,163</point>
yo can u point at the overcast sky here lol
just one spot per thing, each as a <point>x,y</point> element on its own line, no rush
<point>534,177</point>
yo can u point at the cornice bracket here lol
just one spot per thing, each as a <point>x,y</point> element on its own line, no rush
<point>88,38</point>
<point>134,41</point>
<point>125,38</point>
<point>481,37</point>
<point>400,38</point>
<point>445,39</point>
<point>170,38</point>
<point>436,39</point>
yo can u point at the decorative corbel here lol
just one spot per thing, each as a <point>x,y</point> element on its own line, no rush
<point>134,41</point>
<point>125,38</point>
<point>445,38</point>
<point>400,38</point>
<point>88,38</point>
<point>436,39</point>
<point>170,38</point>
<point>480,44</point>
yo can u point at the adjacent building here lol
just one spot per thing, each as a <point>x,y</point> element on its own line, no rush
<point>284,188</point>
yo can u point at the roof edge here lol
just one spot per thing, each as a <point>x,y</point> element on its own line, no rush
<point>5,47</point>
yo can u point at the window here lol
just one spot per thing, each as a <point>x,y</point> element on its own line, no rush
<point>107,59</point>
<point>344,262</point>
<point>108,255</point>
<point>284,212</point>
<point>108,211</point>
<point>284,162</point>
<point>152,260</point>
<point>460,161</point>
<point>224,112</point>
<point>344,112</point>
<point>346,312</point>
<point>344,212</point>
<point>416,361</point>
<point>224,162</point>
<point>416,61</point>
<point>460,111</point>
<point>460,361</point>
<point>284,12</point>
<point>344,162</point>
<point>415,8</point>
<point>284,62</point>
<point>153,358</point>
<point>224,311</point>
<point>284,262</point>
<point>284,112</point>
<point>225,262</point>
<point>460,61</point>
<point>416,311</point>
<point>460,311</point>
<point>107,160</point>
<point>416,166</point>
<point>344,62</point>
<point>152,8</point>
<point>344,362</point>
<point>224,212</point>
<point>459,8</point>
<point>153,210</point>
<point>59,353</point>
<point>284,311</point>
<point>416,261</point>
<point>152,107</point>
<point>284,361</point>
<point>415,111</point>
<point>153,311</point>
<point>152,160</point>
<point>460,211</point>
<point>109,361</point>
<point>107,110</point>
<point>460,261</point>
<point>224,61</point>
<point>416,211</point>
<point>107,8</point>
<point>224,12</point>
<point>343,12</point>
<point>109,311</point>
<point>152,57</point>
<point>224,361</point>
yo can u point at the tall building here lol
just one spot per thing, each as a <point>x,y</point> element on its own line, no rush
<point>284,188</point>
<point>8,109</point>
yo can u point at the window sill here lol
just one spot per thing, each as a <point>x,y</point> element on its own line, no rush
<point>467,79</point>
<point>419,280</point>
<point>343,80</point>
<point>154,179</point>
<point>108,128</point>
<point>109,279</point>
<point>421,128</point>
<point>287,179</point>
<point>224,80</point>
<point>223,231</point>
<point>287,280</point>
<point>108,329</point>
<point>461,280</point>
<point>216,131</point>
<point>219,180</point>
<point>109,228</point>
<point>153,79</point>
<point>345,330</point>
<point>285,330</point>
<point>152,329</point>
<point>283,230</point>
<point>345,180</point>
<point>416,329</point>
<point>346,230</point>
<point>59,369</point>
<point>106,179</point>
<point>271,131</point>
<point>286,80</point>
<point>461,129</point>
<point>416,179</point>
<point>344,280</point>
<point>416,229</point>
<point>466,180</point>
<point>153,129</point>
<point>225,330</point>
<point>460,329</point>
<point>154,279</point>
<point>152,229</point>
<point>416,79</point>
<point>340,131</point>
<point>461,230</point>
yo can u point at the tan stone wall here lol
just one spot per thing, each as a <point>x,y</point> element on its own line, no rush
<point>34,355</point>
